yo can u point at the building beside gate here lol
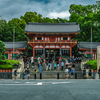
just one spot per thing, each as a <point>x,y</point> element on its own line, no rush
<point>18,48</point>
<point>52,39</point>
<point>85,47</point>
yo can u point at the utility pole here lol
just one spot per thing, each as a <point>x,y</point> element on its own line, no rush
<point>13,41</point>
<point>91,42</point>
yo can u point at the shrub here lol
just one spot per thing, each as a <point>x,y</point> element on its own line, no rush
<point>93,64</point>
<point>8,64</point>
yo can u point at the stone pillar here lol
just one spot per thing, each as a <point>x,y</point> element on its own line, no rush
<point>98,57</point>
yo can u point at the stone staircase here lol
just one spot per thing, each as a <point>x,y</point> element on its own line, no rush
<point>78,71</point>
<point>53,74</point>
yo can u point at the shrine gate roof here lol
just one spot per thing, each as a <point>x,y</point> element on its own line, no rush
<point>52,27</point>
<point>87,45</point>
<point>18,45</point>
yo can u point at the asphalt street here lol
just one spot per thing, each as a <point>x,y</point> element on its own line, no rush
<point>50,89</point>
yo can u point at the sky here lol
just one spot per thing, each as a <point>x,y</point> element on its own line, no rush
<point>47,8</point>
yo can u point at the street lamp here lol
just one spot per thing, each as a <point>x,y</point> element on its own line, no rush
<point>91,42</point>
<point>13,40</point>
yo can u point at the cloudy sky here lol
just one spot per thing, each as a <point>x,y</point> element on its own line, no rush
<point>48,8</point>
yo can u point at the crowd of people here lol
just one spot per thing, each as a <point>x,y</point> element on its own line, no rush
<point>53,63</point>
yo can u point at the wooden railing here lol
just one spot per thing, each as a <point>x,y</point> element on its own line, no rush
<point>60,41</point>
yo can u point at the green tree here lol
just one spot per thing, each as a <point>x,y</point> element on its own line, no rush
<point>2,50</point>
<point>19,29</point>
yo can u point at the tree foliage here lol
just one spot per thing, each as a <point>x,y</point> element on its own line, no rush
<point>2,50</point>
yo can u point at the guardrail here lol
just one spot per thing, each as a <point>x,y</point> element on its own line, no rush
<point>50,75</point>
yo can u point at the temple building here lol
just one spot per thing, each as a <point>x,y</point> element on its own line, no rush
<point>85,47</point>
<point>18,48</point>
<point>52,39</point>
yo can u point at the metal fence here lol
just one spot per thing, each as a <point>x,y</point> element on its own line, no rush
<point>50,75</point>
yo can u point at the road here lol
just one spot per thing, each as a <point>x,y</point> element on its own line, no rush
<point>50,89</point>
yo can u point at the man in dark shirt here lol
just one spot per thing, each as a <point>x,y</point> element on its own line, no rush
<point>84,73</point>
<point>28,73</point>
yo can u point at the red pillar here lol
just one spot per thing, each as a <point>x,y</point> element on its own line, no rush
<point>10,55</point>
<point>33,52</point>
<point>70,51</point>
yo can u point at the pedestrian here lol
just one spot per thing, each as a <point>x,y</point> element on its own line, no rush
<point>28,73</point>
<point>15,74</point>
<point>73,65</point>
<point>99,72</point>
<point>35,74</point>
<point>58,65</point>
<point>46,67</point>
<point>90,73</point>
<point>66,63</point>
<point>84,73</point>
<point>49,64</point>
<point>77,59</point>
<point>32,60</point>
<point>40,68</point>
<point>80,59</point>
<point>55,65</point>
<point>66,72</point>
<point>25,73</point>
<point>27,64</point>
<point>62,65</point>
<point>69,68</point>
<point>72,72</point>
<point>43,58</point>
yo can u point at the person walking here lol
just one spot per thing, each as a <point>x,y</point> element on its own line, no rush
<point>62,65</point>
<point>84,73</point>
<point>15,74</point>
<point>66,72</point>
<point>28,73</point>
<point>99,72</point>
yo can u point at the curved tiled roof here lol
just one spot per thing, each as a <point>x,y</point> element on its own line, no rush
<point>87,45</point>
<point>52,27</point>
<point>21,44</point>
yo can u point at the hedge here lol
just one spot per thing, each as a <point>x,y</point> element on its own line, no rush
<point>8,64</point>
<point>93,63</point>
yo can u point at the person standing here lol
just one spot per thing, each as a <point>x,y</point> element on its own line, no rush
<point>27,64</point>
<point>90,73</point>
<point>62,65</point>
<point>58,65</point>
<point>40,68</point>
<point>35,74</point>
<point>50,63</point>
<point>66,62</point>
<point>55,65</point>
<point>32,60</point>
<point>28,73</point>
<point>46,67</point>
<point>84,73</point>
<point>72,72</point>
